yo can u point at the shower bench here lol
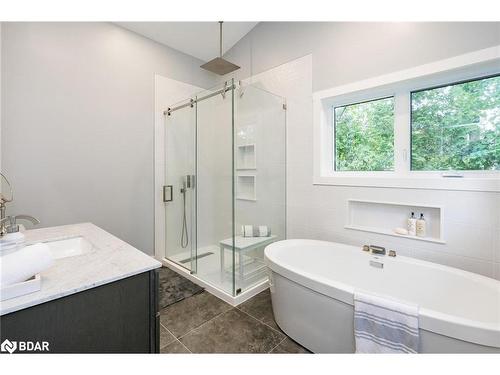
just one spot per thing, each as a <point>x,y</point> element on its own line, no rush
<point>242,245</point>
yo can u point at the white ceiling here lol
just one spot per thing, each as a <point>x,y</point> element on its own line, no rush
<point>198,39</point>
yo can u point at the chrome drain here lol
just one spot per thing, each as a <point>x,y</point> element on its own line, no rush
<point>198,257</point>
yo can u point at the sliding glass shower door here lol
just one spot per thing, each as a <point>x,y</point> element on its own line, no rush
<point>179,192</point>
<point>225,164</point>
<point>215,203</point>
<point>199,184</point>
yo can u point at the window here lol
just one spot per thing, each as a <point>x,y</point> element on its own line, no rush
<point>364,136</point>
<point>433,126</point>
<point>456,127</point>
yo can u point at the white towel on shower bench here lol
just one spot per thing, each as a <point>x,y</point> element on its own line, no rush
<point>384,326</point>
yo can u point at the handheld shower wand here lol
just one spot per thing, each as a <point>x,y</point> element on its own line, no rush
<point>187,183</point>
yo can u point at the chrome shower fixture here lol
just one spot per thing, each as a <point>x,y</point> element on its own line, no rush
<point>219,65</point>
<point>188,182</point>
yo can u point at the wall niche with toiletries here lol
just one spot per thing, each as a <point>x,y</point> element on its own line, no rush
<point>406,220</point>
<point>246,163</point>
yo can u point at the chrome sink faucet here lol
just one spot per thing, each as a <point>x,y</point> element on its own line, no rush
<point>6,196</point>
<point>2,216</point>
<point>9,224</point>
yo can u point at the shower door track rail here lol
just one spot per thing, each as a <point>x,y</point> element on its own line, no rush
<point>196,100</point>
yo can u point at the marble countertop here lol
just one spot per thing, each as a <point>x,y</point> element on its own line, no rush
<point>110,259</point>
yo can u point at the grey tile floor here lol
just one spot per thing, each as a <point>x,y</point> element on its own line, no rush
<point>174,287</point>
<point>205,324</point>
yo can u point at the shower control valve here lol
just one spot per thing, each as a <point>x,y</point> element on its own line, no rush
<point>168,195</point>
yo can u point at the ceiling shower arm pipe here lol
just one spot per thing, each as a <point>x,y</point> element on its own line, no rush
<point>220,41</point>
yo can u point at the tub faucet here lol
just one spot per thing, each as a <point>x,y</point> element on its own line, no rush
<point>379,250</point>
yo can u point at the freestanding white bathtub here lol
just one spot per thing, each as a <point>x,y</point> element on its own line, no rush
<point>313,283</point>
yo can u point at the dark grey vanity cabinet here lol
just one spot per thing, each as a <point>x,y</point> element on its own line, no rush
<point>119,317</point>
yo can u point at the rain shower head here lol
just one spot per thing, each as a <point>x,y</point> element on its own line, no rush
<point>219,65</point>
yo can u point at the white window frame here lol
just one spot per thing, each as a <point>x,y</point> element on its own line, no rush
<point>400,84</point>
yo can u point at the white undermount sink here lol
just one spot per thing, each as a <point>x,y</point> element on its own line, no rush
<point>59,249</point>
<point>69,247</point>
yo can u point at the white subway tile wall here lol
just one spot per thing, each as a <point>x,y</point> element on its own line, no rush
<point>471,219</point>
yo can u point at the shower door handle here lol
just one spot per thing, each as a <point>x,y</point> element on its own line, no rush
<point>168,195</point>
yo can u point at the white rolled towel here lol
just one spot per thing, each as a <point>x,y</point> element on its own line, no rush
<point>24,263</point>
<point>255,231</point>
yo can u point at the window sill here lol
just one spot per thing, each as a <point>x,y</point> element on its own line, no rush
<point>466,183</point>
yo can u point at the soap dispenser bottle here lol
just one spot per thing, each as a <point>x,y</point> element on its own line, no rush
<point>412,225</point>
<point>421,230</point>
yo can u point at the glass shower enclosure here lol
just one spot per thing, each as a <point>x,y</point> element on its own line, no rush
<point>225,188</point>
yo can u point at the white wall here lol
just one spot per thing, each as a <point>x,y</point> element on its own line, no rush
<point>472,221</point>
<point>77,123</point>
<point>350,51</point>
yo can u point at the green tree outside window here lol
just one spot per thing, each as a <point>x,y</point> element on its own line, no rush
<point>456,127</point>
<point>364,136</point>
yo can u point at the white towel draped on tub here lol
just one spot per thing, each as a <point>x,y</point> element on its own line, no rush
<point>384,326</point>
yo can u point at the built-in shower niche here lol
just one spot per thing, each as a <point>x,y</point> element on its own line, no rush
<point>246,157</point>
<point>246,187</point>
<point>383,217</point>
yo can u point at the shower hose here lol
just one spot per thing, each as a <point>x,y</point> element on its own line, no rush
<point>184,235</point>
